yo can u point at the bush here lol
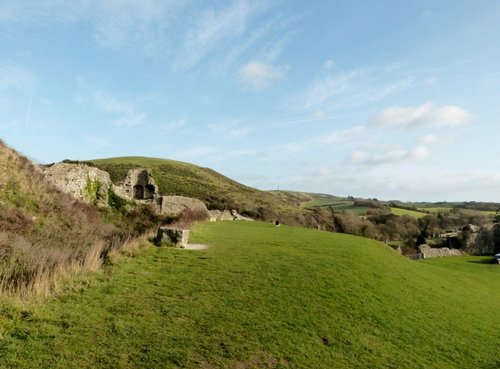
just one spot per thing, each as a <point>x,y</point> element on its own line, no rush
<point>116,202</point>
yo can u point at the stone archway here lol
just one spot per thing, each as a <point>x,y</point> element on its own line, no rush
<point>149,191</point>
<point>138,192</point>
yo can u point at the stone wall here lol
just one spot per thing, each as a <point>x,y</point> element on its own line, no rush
<point>429,252</point>
<point>480,241</point>
<point>84,182</point>
<point>175,205</point>
<point>138,185</point>
<point>220,215</point>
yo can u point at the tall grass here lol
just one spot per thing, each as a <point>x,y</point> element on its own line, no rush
<point>46,235</point>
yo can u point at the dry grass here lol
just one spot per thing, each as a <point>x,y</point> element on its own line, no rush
<point>47,235</point>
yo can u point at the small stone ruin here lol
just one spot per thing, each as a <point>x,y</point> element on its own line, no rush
<point>220,215</point>
<point>430,252</point>
<point>138,185</point>
<point>173,236</point>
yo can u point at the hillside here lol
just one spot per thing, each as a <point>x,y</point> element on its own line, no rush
<point>45,234</point>
<point>214,189</point>
<point>266,297</point>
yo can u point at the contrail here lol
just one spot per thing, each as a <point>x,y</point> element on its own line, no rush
<point>28,112</point>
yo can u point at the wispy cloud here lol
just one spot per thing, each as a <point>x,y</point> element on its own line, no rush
<point>231,129</point>
<point>115,24</point>
<point>349,89</point>
<point>129,116</point>
<point>173,125</point>
<point>389,157</point>
<point>424,115</point>
<point>17,78</point>
<point>212,28</point>
<point>124,113</point>
<point>258,76</point>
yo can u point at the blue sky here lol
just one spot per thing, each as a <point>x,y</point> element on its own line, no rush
<point>388,99</point>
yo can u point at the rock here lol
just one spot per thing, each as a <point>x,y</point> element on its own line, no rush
<point>175,205</point>
<point>84,182</point>
<point>429,252</point>
<point>237,216</point>
<point>220,215</point>
<point>173,236</point>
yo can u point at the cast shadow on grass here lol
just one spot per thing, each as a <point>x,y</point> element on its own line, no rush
<point>483,261</point>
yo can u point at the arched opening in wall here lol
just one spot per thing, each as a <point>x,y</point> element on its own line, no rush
<point>138,192</point>
<point>149,191</point>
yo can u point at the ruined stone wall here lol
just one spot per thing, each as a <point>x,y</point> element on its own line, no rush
<point>481,242</point>
<point>84,182</point>
<point>220,215</point>
<point>429,252</point>
<point>175,205</point>
<point>138,184</point>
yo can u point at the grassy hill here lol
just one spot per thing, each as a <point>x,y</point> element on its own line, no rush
<point>266,297</point>
<point>216,190</point>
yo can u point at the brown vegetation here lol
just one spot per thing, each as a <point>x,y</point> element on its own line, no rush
<point>46,234</point>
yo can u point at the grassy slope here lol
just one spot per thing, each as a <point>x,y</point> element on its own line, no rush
<point>266,297</point>
<point>184,179</point>
<point>412,213</point>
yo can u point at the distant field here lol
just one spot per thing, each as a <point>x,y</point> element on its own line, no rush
<point>412,213</point>
<point>325,200</point>
<point>465,211</point>
<point>336,203</point>
<point>265,297</point>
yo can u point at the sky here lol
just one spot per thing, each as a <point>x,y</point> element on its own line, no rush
<point>383,99</point>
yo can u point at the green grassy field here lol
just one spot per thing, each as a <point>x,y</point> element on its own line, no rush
<point>465,211</point>
<point>412,213</point>
<point>265,297</point>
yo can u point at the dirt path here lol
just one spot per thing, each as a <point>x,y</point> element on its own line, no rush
<point>195,246</point>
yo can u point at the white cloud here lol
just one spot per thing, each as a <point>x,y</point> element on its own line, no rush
<point>394,156</point>
<point>115,24</point>
<point>428,139</point>
<point>329,65</point>
<point>211,28</point>
<point>126,114</point>
<point>424,115</point>
<point>350,89</point>
<point>257,76</point>
<point>320,114</point>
